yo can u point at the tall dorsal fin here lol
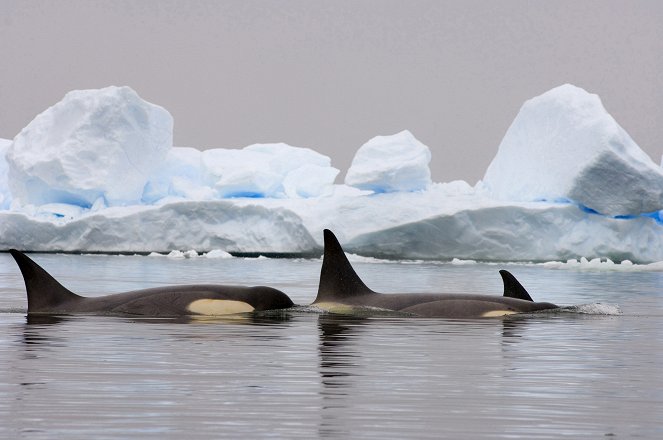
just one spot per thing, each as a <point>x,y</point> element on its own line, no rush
<point>513,288</point>
<point>45,293</point>
<point>338,279</point>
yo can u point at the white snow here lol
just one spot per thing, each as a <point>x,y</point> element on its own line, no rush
<point>391,163</point>
<point>564,145</point>
<point>93,144</point>
<point>96,172</point>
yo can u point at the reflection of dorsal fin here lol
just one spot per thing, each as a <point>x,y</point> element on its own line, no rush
<point>44,292</point>
<point>337,278</point>
<point>513,288</point>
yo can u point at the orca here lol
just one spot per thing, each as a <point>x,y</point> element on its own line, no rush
<point>341,290</point>
<point>46,296</point>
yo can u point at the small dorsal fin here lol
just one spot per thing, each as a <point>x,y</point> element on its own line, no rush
<point>513,288</point>
<point>338,279</point>
<point>45,293</point>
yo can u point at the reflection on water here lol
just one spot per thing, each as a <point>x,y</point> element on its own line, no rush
<point>336,354</point>
<point>37,321</point>
<point>300,374</point>
<point>338,364</point>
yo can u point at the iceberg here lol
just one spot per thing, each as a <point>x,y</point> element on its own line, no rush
<point>391,163</point>
<point>566,183</point>
<point>179,177</point>
<point>563,145</point>
<point>204,227</point>
<point>259,170</point>
<point>517,232</point>
<point>94,144</point>
<point>267,170</point>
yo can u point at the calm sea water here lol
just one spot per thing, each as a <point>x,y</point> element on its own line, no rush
<point>303,374</point>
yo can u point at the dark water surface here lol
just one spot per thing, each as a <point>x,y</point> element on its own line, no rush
<point>303,374</point>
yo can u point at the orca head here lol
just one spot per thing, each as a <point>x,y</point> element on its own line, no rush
<point>268,298</point>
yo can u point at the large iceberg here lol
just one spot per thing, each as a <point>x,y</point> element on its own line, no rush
<point>93,145</point>
<point>567,182</point>
<point>563,145</point>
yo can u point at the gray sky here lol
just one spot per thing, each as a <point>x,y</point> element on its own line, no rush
<point>329,75</point>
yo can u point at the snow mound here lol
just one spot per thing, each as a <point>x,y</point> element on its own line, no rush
<point>564,145</point>
<point>391,163</point>
<point>94,144</point>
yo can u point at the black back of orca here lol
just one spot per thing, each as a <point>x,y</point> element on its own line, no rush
<point>47,296</point>
<point>340,285</point>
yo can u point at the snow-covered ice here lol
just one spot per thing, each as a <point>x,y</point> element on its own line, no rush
<point>260,170</point>
<point>184,225</point>
<point>567,182</point>
<point>179,176</point>
<point>391,163</point>
<point>94,144</point>
<point>564,145</point>
<point>268,170</point>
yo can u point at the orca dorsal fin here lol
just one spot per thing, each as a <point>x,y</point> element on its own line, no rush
<point>513,288</point>
<point>45,293</point>
<point>338,279</point>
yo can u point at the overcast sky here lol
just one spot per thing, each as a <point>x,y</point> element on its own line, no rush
<point>332,74</point>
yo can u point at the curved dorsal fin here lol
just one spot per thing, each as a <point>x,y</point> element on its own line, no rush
<point>513,288</point>
<point>45,293</point>
<point>338,279</point>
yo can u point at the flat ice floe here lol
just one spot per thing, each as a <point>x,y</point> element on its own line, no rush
<point>204,227</point>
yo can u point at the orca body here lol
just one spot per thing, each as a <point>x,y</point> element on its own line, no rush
<point>342,290</point>
<point>47,296</point>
